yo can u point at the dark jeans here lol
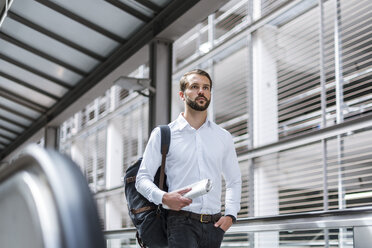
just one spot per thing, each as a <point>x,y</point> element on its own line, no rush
<point>190,233</point>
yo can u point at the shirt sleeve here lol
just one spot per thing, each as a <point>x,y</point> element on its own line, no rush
<point>150,163</point>
<point>232,176</point>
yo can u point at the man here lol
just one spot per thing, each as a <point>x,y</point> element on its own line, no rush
<point>199,149</point>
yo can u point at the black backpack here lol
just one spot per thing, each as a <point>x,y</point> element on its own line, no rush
<point>149,219</point>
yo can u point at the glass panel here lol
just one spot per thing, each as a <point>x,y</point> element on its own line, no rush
<point>231,18</point>
<point>48,45</point>
<point>230,94</point>
<point>350,170</point>
<point>20,108</point>
<point>110,18</point>
<point>39,63</point>
<point>356,38</point>
<point>15,118</point>
<point>8,134</point>
<point>64,26</point>
<point>297,60</point>
<point>26,92</point>
<point>31,79</point>
<point>269,5</point>
<point>10,126</point>
<point>289,181</point>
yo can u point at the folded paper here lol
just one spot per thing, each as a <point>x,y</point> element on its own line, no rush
<point>197,189</point>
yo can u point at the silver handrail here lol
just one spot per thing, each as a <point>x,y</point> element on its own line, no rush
<point>345,218</point>
<point>305,221</point>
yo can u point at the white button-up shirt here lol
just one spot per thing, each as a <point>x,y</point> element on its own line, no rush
<point>206,153</point>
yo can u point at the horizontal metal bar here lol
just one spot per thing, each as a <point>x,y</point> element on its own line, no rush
<point>120,233</point>
<point>305,221</point>
<point>40,53</point>
<point>81,20</point>
<point>12,122</point>
<point>149,5</point>
<point>54,36</point>
<point>22,100</point>
<point>129,10</point>
<point>9,130</point>
<point>3,144</point>
<point>286,222</point>
<point>27,85</point>
<point>313,136</point>
<point>5,137</point>
<point>15,112</point>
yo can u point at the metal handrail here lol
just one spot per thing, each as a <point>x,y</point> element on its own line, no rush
<point>344,218</point>
<point>304,221</point>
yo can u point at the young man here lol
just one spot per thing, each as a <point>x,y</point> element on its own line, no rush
<point>199,149</point>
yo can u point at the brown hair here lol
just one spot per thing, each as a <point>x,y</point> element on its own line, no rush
<point>183,81</point>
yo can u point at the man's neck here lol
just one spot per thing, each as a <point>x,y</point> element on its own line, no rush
<point>195,118</point>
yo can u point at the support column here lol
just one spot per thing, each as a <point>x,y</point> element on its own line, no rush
<point>114,163</point>
<point>51,137</point>
<point>161,80</point>
<point>265,128</point>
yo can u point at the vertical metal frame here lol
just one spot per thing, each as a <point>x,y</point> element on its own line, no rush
<point>251,168</point>
<point>338,63</point>
<point>95,161</point>
<point>160,60</point>
<point>339,99</point>
<point>323,104</point>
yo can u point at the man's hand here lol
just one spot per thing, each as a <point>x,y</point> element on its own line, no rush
<point>175,200</point>
<point>224,223</point>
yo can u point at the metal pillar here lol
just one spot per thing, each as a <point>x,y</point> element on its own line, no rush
<point>51,137</point>
<point>161,80</point>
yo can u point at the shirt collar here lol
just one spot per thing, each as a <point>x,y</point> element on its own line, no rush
<point>182,122</point>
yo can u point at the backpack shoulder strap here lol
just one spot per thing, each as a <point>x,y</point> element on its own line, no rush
<point>164,148</point>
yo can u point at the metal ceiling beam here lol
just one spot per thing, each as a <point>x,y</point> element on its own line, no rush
<point>81,20</point>
<point>8,130</point>
<point>149,31</point>
<point>3,144</point>
<point>40,53</point>
<point>5,137</point>
<point>35,71</point>
<point>54,36</point>
<point>129,10</point>
<point>6,119</point>
<point>22,101</point>
<point>27,85</point>
<point>149,5</point>
<point>15,112</point>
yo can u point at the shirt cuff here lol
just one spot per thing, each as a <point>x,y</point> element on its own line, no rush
<point>233,218</point>
<point>234,214</point>
<point>157,196</point>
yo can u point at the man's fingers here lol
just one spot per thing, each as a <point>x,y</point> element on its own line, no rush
<point>218,223</point>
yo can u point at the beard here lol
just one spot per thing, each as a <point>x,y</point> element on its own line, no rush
<point>195,105</point>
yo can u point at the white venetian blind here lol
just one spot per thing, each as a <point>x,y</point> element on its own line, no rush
<point>269,5</point>
<point>356,37</point>
<point>350,170</point>
<point>134,131</point>
<point>230,95</point>
<point>298,64</point>
<point>298,73</point>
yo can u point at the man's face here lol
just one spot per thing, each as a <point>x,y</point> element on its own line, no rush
<point>197,94</point>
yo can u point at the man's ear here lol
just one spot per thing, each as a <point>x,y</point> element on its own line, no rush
<point>182,95</point>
